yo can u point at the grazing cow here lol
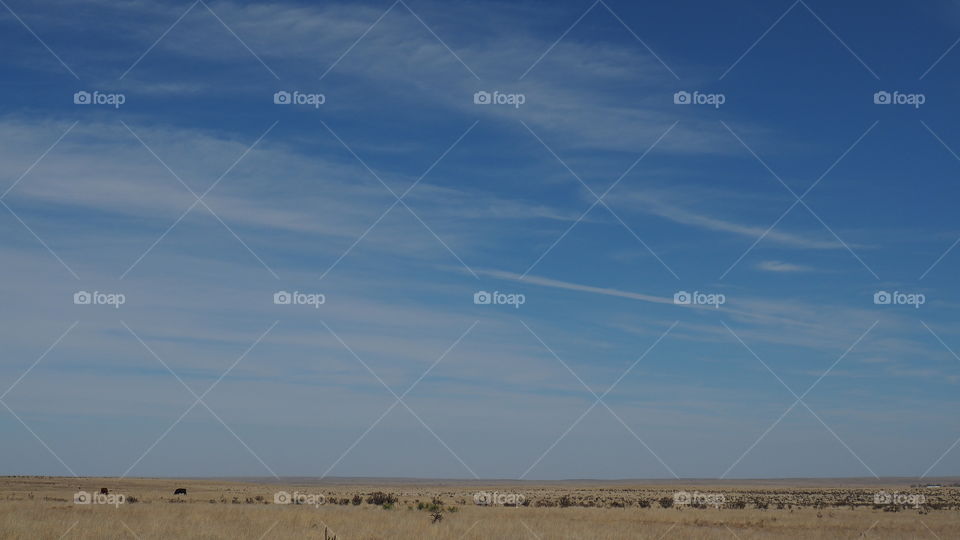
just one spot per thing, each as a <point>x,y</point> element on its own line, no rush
<point>104,491</point>
<point>180,491</point>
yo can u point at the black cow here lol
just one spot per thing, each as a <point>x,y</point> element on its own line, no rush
<point>180,491</point>
<point>104,491</point>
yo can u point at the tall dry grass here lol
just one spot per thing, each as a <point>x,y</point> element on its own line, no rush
<point>44,508</point>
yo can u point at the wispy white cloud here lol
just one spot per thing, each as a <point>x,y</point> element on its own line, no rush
<point>649,202</point>
<point>780,266</point>
<point>547,282</point>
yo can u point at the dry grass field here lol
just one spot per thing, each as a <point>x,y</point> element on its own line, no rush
<point>40,507</point>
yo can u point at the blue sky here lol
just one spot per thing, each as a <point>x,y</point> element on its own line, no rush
<point>599,373</point>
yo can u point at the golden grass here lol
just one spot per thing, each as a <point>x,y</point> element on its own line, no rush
<point>44,508</point>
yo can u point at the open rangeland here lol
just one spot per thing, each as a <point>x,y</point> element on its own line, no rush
<point>43,507</point>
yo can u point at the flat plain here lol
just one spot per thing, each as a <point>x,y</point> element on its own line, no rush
<point>64,507</point>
